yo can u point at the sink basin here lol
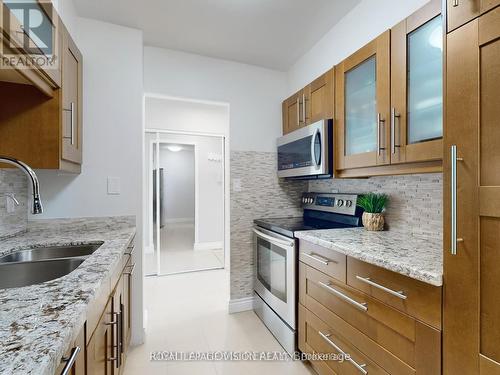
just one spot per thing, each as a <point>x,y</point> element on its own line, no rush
<point>14,275</point>
<point>50,252</point>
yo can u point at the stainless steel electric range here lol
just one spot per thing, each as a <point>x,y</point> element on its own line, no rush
<point>276,258</point>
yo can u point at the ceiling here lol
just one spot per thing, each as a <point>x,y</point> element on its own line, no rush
<point>268,33</point>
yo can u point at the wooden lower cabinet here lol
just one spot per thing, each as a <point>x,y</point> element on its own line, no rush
<point>105,338</point>
<point>380,338</point>
<point>100,349</point>
<point>106,349</point>
<point>345,358</point>
<point>416,298</point>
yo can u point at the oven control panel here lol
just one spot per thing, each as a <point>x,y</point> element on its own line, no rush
<point>330,202</point>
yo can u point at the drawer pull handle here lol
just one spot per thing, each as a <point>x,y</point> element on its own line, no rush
<point>363,306</point>
<point>367,280</point>
<point>70,361</point>
<point>131,269</point>
<point>130,250</point>
<point>319,259</point>
<point>361,368</point>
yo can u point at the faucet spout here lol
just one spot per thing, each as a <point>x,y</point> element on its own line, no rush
<point>37,207</point>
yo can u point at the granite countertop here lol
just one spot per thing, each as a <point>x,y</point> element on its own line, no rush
<point>39,322</point>
<point>418,257</point>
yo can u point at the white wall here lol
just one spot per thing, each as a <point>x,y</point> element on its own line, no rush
<point>189,116</point>
<point>254,94</point>
<point>112,136</point>
<point>178,183</point>
<point>362,24</point>
<point>210,179</point>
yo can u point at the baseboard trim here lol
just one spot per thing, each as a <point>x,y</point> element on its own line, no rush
<point>240,305</point>
<point>208,245</point>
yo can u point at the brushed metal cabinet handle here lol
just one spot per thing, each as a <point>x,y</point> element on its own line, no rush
<point>394,116</point>
<point>319,258</point>
<point>380,121</point>
<point>298,111</point>
<point>71,110</point>
<point>70,361</point>
<point>304,116</point>
<point>131,271</point>
<point>455,3</point>
<point>361,368</point>
<point>363,306</point>
<point>454,239</point>
<point>72,123</point>
<point>367,280</point>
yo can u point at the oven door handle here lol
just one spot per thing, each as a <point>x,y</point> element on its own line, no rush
<point>273,240</point>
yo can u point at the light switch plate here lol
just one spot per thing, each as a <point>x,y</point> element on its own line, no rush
<point>114,187</point>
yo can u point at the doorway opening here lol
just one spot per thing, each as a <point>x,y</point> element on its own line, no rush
<point>186,200</point>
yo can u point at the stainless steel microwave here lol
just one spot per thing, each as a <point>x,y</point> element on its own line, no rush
<point>307,153</point>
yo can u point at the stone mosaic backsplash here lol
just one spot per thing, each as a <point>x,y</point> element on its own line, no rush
<point>415,201</point>
<point>13,182</point>
<point>415,205</point>
<point>260,194</point>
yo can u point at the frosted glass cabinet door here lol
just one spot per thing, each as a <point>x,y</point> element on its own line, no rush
<point>417,87</point>
<point>425,82</point>
<point>361,108</point>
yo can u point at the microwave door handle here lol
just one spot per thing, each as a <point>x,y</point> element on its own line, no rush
<point>313,149</point>
<point>273,240</point>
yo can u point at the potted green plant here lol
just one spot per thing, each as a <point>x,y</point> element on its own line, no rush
<point>374,206</point>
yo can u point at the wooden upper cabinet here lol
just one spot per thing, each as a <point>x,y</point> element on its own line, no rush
<point>46,131</point>
<point>71,101</point>
<point>319,98</point>
<point>416,119</point>
<point>38,47</point>
<point>471,335</point>
<point>362,106</point>
<point>462,11</point>
<point>293,112</point>
<point>309,105</point>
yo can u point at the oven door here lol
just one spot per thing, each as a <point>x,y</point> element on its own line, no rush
<point>274,259</point>
<point>306,152</point>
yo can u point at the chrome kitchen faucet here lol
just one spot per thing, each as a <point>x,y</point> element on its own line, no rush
<point>37,202</point>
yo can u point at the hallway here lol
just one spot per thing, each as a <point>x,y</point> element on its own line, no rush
<point>178,253</point>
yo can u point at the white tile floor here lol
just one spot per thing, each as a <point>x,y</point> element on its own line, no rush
<point>177,253</point>
<point>188,312</point>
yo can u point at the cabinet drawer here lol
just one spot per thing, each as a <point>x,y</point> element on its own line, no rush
<point>384,325</point>
<point>395,341</point>
<point>323,339</point>
<point>416,298</point>
<point>326,260</point>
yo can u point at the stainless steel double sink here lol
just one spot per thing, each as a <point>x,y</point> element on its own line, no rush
<point>40,264</point>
